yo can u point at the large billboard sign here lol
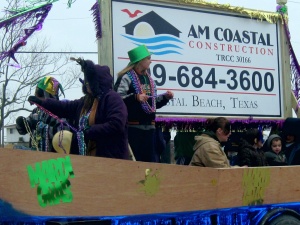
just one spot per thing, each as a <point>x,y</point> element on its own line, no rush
<point>216,63</point>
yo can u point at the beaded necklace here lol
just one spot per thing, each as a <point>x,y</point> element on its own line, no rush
<point>83,124</point>
<point>33,140</point>
<point>138,89</point>
<point>41,131</point>
<point>61,137</point>
<point>79,133</point>
<point>46,135</point>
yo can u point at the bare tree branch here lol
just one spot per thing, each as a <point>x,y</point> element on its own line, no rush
<point>17,84</point>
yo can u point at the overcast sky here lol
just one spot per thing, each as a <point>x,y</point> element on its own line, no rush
<point>72,29</point>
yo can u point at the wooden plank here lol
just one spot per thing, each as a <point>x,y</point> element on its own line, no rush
<point>294,103</point>
<point>285,72</point>
<point>109,187</point>
<point>105,56</point>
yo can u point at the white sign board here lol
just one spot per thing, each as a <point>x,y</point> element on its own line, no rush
<point>215,63</point>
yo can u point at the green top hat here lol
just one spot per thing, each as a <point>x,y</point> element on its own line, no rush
<point>138,53</point>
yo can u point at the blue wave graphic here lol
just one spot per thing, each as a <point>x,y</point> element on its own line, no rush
<point>155,47</point>
<point>158,45</point>
<point>158,38</point>
<point>165,52</point>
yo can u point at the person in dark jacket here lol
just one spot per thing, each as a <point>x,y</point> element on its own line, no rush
<point>250,153</point>
<point>274,155</point>
<point>138,91</point>
<point>100,116</point>
<point>292,149</point>
<point>40,125</point>
<point>184,142</point>
<point>291,140</point>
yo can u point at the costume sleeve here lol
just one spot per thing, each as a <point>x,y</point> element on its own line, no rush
<point>20,125</point>
<point>214,157</point>
<point>244,157</point>
<point>122,87</point>
<point>274,160</point>
<point>294,158</point>
<point>161,100</point>
<point>31,122</point>
<point>115,114</point>
<point>196,159</point>
<point>270,158</point>
<point>63,109</point>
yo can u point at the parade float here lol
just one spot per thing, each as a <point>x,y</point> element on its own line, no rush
<point>52,188</point>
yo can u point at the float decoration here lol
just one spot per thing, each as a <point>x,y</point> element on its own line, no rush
<point>281,9</point>
<point>261,15</point>
<point>97,19</point>
<point>33,2</point>
<point>295,68</point>
<point>198,124</point>
<point>35,16</point>
<point>34,13</point>
<point>70,2</point>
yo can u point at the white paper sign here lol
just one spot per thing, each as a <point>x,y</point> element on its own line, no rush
<point>215,63</point>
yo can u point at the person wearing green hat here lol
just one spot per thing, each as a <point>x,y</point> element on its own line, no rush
<point>138,90</point>
<point>40,125</point>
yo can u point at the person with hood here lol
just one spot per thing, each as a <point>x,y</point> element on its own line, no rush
<point>41,126</point>
<point>208,148</point>
<point>138,91</point>
<point>99,117</point>
<point>274,155</point>
<point>291,140</point>
<point>250,153</point>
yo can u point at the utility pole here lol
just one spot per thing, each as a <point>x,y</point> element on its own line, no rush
<point>281,2</point>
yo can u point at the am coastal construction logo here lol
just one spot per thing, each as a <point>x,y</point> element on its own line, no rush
<point>152,30</point>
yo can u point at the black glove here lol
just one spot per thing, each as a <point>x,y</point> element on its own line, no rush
<point>20,125</point>
<point>34,99</point>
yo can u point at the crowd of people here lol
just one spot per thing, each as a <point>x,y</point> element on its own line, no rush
<point>280,149</point>
<point>117,120</point>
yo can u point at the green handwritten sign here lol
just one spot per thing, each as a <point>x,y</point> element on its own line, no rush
<point>52,180</point>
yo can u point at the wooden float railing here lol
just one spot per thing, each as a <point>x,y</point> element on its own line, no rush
<point>109,187</point>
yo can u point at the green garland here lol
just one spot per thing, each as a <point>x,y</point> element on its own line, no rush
<point>260,15</point>
<point>70,2</point>
<point>34,4</point>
